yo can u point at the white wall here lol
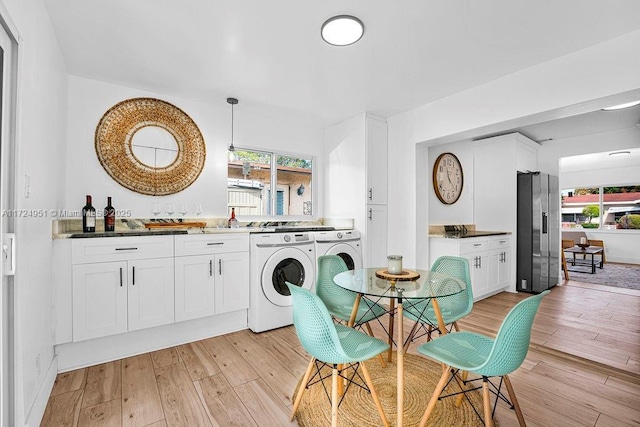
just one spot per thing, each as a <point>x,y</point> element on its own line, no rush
<point>570,84</point>
<point>42,99</point>
<point>90,99</point>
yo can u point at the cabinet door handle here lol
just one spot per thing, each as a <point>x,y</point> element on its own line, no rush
<point>133,275</point>
<point>220,267</point>
<point>370,193</point>
<point>215,243</point>
<point>479,262</point>
<point>477,244</point>
<point>210,267</point>
<point>120,276</point>
<point>126,249</point>
<point>370,214</point>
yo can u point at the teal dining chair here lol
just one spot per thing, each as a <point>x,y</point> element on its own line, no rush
<point>486,357</point>
<point>334,345</point>
<point>340,301</point>
<point>453,308</point>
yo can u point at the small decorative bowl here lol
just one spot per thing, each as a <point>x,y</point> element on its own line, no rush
<point>583,245</point>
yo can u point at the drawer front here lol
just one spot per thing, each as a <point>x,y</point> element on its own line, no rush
<point>203,244</point>
<point>471,245</point>
<point>105,249</point>
<point>501,242</point>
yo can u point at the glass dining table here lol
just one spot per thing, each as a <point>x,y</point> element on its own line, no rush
<point>408,287</point>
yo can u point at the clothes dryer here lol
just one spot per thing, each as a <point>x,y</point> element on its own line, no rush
<point>345,243</point>
<point>277,258</point>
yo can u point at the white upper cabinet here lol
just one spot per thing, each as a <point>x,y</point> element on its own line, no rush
<point>496,164</point>
<point>376,160</point>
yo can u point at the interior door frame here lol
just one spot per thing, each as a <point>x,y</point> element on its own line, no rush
<point>10,392</point>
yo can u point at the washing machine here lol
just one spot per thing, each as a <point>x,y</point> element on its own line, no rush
<point>346,244</point>
<point>276,258</point>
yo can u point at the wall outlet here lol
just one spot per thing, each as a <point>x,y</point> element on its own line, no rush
<point>523,284</point>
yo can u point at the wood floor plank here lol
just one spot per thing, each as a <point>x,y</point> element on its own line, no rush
<point>140,398</point>
<point>104,414</point>
<point>222,403</point>
<point>263,404</point>
<point>607,421</point>
<point>167,356</point>
<point>271,371</point>
<point>289,357</point>
<point>198,361</point>
<point>69,381</point>
<point>182,406</point>
<point>63,410</point>
<point>103,383</point>
<point>234,367</point>
<point>576,400</point>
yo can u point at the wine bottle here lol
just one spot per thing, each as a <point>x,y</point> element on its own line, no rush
<point>88,217</point>
<point>233,222</point>
<point>109,217</point>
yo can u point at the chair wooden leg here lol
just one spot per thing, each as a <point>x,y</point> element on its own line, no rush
<point>514,401</point>
<point>374,395</point>
<point>455,326</point>
<point>380,358</point>
<point>334,397</point>
<point>430,331</point>
<point>435,395</point>
<point>464,376</point>
<point>486,399</point>
<point>303,387</point>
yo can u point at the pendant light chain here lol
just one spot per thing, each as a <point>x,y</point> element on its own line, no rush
<point>232,101</point>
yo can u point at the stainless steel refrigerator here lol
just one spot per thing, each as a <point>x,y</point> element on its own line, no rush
<point>538,244</point>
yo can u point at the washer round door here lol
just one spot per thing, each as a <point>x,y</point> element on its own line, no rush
<point>286,265</point>
<point>348,253</point>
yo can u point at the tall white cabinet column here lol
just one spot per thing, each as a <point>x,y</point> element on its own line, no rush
<point>496,164</point>
<point>355,177</point>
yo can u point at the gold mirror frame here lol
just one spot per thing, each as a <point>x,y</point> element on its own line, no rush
<point>114,136</point>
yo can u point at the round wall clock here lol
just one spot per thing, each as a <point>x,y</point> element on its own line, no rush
<point>447,178</point>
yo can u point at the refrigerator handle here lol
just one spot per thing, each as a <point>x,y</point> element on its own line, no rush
<point>544,223</point>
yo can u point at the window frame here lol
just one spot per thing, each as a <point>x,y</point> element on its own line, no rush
<point>274,184</point>
<point>601,207</point>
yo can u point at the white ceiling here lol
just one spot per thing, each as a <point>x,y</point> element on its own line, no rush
<point>269,54</point>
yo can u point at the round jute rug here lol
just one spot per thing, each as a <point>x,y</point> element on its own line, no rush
<point>357,408</point>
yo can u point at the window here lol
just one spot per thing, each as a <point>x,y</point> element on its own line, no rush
<point>601,207</point>
<point>253,175</point>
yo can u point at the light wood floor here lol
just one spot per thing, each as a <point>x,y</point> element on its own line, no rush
<point>583,369</point>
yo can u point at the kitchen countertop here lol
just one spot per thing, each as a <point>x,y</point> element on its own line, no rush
<point>470,234</point>
<point>136,227</point>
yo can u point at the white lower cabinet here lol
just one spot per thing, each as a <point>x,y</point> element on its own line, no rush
<point>150,293</point>
<point>488,260</point>
<point>99,299</point>
<point>211,275</point>
<point>121,284</point>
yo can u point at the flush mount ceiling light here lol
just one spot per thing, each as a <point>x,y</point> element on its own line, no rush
<point>232,149</point>
<point>621,106</point>
<point>620,153</point>
<point>342,30</point>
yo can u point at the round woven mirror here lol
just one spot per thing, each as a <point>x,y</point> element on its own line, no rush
<point>150,146</point>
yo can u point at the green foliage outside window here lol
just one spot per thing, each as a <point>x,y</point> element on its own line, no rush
<point>630,221</point>
<point>591,211</point>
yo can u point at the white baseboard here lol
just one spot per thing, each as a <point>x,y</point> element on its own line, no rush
<point>34,418</point>
<point>76,355</point>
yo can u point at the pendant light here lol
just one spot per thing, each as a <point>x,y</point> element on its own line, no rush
<point>232,149</point>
